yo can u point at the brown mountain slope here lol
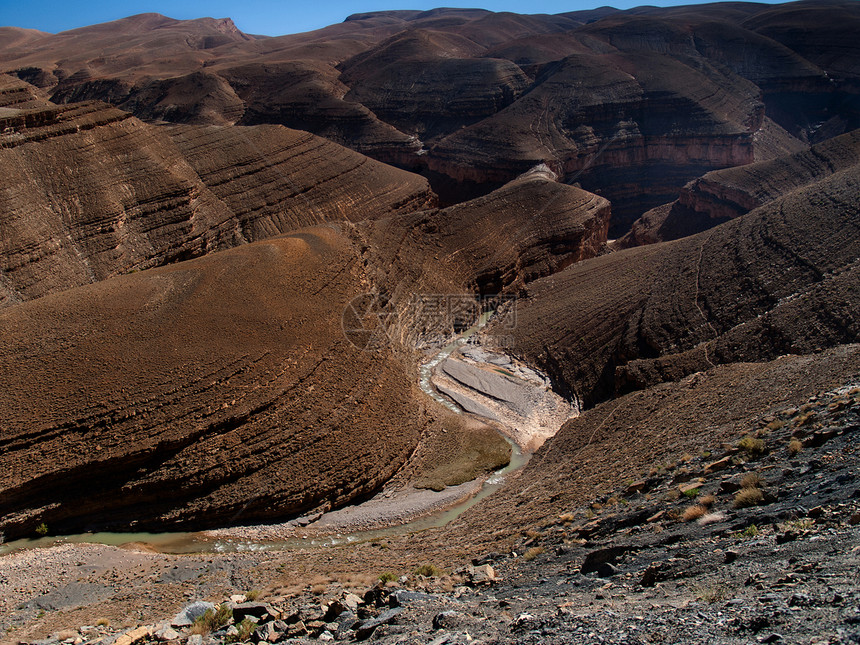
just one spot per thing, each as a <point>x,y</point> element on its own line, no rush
<point>531,227</point>
<point>223,389</point>
<point>275,179</point>
<point>632,104</point>
<point>721,195</point>
<point>91,191</point>
<point>778,280</point>
<point>212,391</point>
<point>617,442</point>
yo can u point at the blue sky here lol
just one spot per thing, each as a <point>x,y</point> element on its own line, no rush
<point>268,17</point>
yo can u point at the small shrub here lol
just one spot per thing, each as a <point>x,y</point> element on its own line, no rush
<point>748,497</point>
<point>567,518</point>
<point>42,530</point>
<point>803,419</point>
<point>102,622</point>
<point>752,480</point>
<point>707,500</point>
<point>776,424</point>
<point>532,553</point>
<point>803,524</point>
<point>428,571</point>
<point>794,446</point>
<point>691,493</point>
<point>531,533</point>
<point>212,620</point>
<point>752,446</point>
<point>387,577</point>
<point>694,512</point>
<point>252,595</point>
<point>318,589</point>
<point>750,532</point>
<point>712,593</point>
<point>245,628</point>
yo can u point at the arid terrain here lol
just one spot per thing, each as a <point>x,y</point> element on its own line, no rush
<point>433,326</point>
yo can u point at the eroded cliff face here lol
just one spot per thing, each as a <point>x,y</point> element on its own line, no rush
<point>214,391</point>
<point>630,104</point>
<point>722,195</point>
<point>496,244</point>
<point>777,280</point>
<point>630,127</point>
<point>91,191</point>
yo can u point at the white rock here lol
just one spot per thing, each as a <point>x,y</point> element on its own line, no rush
<point>167,633</point>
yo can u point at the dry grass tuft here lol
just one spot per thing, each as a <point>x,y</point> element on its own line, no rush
<point>707,500</point>
<point>212,620</point>
<point>751,445</point>
<point>428,571</point>
<point>694,512</point>
<point>748,497</point>
<point>673,495</point>
<point>752,480</point>
<point>532,553</point>
<point>712,518</point>
<point>795,446</point>
<point>356,580</point>
<point>716,592</point>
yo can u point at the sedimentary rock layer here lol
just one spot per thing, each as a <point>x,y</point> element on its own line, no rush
<point>91,191</point>
<point>213,391</point>
<point>274,179</point>
<point>777,280</point>
<point>631,104</point>
<point>531,227</point>
<point>721,195</point>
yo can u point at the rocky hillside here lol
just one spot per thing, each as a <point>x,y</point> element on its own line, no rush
<point>93,192</point>
<point>721,195</point>
<point>753,288</point>
<point>742,537</point>
<point>473,98</point>
<point>201,394</point>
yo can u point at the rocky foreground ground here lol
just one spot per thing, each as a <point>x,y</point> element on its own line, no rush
<point>757,541</point>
